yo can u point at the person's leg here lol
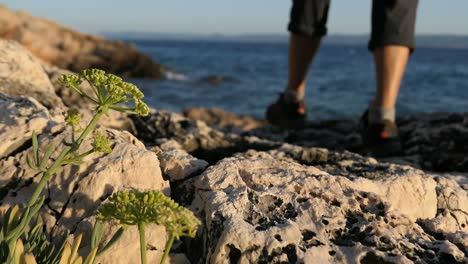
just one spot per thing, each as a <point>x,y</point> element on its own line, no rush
<point>307,26</point>
<point>302,49</point>
<point>390,62</point>
<point>392,39</point>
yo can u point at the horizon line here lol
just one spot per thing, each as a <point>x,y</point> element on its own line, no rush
<point>259,33</point>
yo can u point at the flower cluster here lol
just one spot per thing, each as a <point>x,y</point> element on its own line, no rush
<point>141,108</point>
<point>134,207</point>
<point>101,143</point>
<point>108,91</point>
<point>70,80</point>
<point>73,117</point>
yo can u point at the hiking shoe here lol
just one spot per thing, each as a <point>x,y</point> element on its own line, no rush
<point>287,115</point>
<point>382,139</point>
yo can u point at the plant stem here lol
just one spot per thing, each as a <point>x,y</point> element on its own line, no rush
<point>79,157</point>
<point>73,134</point>
<point>101,111</point>
<point>39,189</point>
<point>58,162</point>
<point>83,94</point>
<point>122,109</point>
<point>168,248</point>
<point>141,230</point>
<point>46,176</point>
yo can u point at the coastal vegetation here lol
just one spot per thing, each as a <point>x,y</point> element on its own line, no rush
<point>22,237</point>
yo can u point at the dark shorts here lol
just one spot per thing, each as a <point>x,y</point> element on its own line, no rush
<point>393,21</point>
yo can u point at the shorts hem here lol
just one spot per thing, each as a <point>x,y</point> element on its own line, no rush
<point>375,44</point>
<point>307,31</point>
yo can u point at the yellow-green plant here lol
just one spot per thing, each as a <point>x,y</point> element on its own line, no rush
<point>36,247</point>
<point>108,92</point>
<point>143,208</point>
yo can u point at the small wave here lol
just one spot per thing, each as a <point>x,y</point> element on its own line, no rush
<point>174,76</point>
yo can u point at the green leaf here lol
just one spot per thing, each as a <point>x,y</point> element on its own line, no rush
<point>91,256</point>
<point>19,250</point>
<point>10,220</point>
<point>37,206</point>
<point>15,233</point>
<point>97,234</point>
<point>4,252</point>
<point>66,254</point>
<point>74,161</point>
<point>46,157</point>
<point>112,241</point>
<point>25,219</point>
<point>28,161</point>
<point>35,147</point>
<point>58,256</point>
<point>74,250</point>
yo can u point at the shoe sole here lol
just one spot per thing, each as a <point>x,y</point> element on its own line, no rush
<point>390,148</point>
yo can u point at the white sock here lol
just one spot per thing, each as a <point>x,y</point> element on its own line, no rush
<point>292,96</point>
<point>379,114</point>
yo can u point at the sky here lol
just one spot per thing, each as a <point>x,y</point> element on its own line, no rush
<point>228,16</point>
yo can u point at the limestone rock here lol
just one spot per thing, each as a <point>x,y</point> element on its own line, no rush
<point>386,180</point>
<point>177,164</point>
<point>264,207</point>
<point>19,117</point>
<point>179,259</point>
<point>193,136</point>
<point>301,204</point>
<point>434,141</point>
<point>223,119</point>
<point>73,50</point>
<point>22,74</point>
<point>438,139</point>
<point>451,219</point>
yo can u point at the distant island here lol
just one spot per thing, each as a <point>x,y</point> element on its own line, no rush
<point>446,41</point>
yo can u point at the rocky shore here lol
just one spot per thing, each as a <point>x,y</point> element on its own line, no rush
<point>434,142</point>
<point>72,50</point>
<point>263,195</point>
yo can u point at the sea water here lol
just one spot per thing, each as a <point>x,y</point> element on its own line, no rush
<point>341,80</point>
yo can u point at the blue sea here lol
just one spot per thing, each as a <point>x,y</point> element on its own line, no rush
<point>340,85</point>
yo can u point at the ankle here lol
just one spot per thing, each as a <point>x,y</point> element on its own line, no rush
<point>292,96</point>
<point>378,114</point>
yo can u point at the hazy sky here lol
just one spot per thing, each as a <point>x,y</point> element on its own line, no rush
<point>230,17</point>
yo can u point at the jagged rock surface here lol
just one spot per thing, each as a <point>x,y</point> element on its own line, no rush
<point>176,163</point>
<point>435,141</point>
<point>263,207</point>
<point>73,50</point>
<point>223,119</point>
<point>195,137</point>
<point>299,205</point>
<point>19,117</point>
<point>22,74</point>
